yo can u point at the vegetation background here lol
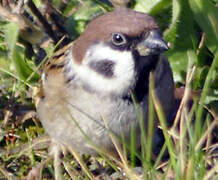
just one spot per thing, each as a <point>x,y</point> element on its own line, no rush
<point>27,39</point>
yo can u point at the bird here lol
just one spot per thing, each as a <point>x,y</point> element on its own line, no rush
<point>90,87</point>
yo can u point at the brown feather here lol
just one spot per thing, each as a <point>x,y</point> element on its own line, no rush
<point>56,61</point>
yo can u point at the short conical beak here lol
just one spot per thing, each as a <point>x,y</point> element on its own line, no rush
<point>153,44</point>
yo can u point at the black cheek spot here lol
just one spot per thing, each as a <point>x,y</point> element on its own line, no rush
<point>103,67</point>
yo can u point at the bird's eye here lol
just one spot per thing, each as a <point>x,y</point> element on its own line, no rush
<point>118,39</point>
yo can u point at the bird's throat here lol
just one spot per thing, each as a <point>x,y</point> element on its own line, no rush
<point>140,88</point>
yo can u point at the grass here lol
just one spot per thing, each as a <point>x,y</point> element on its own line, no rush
<point>192,140</point>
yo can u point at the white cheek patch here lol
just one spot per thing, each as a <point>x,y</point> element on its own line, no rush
<point>123,75</point>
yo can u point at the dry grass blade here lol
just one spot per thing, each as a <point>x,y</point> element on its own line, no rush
<point>129,172</point>
<point>204,136</point>
<point>41,142</point>
<point>211,173</point>
<point>57,162</point>
<point>161,117</point>
<point>7,175</point>
<point>82,163</point>
<point>115,142</point>
<point>185,98</point>
<point>184,121</point>
<point>72,173</point>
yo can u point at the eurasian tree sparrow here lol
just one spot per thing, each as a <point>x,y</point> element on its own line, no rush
<point>88,83</point>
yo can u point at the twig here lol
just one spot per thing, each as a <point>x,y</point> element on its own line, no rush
<point>43,21</point>
<point>202,42</point>
<point>57,23</point>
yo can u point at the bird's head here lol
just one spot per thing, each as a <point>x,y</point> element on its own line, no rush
<point>115,48</point>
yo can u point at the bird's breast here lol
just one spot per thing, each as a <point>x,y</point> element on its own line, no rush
<point>77,116</point>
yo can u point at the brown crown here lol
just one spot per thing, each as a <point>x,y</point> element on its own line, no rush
<point>124,21</point>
